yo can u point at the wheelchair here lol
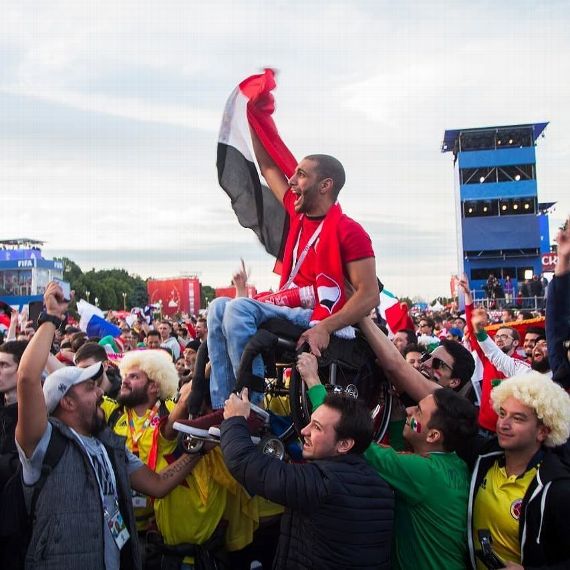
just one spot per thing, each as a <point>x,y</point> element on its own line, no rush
<point>346,366</point>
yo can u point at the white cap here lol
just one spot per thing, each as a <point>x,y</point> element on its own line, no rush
<point>58,383</point>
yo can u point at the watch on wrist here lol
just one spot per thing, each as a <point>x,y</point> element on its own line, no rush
<point>47,318</point>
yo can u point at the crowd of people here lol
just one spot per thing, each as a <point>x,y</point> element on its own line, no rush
<point>474,472</point>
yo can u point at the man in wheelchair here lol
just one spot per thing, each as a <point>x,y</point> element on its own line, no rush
<point>323,249</point>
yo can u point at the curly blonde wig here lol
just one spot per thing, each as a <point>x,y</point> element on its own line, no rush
<point>157,365</point>
<point>549,400</point>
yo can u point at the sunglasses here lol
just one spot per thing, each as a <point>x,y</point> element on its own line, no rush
<point>436,363</point>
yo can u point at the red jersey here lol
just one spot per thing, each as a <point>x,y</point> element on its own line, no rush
<point>355,243</point>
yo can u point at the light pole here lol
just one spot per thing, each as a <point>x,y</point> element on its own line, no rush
<point>124,301</point>
<point>87,293</point>
<point>96,301</point>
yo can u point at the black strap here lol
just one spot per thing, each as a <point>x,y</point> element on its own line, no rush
<point>56,447</point>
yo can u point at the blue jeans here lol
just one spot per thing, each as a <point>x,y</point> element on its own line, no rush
<point>231,323</point>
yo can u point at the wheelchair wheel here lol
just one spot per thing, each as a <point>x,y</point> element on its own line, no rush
<point>348,367</point>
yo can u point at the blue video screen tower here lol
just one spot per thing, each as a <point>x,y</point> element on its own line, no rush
<point>501,227</point>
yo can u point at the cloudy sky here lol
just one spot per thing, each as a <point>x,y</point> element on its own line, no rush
<point>109,113</point>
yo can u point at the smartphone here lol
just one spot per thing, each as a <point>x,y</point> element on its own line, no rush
<point>34,310</point>
<point>65,287</point>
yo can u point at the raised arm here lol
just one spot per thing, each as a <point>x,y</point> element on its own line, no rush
<point>362,277</point>
<point>275,179</point>
<point>404,376</point>
<point>179,412</point>
<point>32,411</point>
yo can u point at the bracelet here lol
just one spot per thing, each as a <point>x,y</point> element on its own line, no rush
<point>47,318</point>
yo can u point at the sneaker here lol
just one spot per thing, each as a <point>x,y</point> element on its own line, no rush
<point>182,426</point>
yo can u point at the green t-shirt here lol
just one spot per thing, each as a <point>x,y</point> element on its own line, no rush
<point>432,492</point>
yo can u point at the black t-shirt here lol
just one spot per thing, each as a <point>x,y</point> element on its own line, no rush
<point>8,453</point>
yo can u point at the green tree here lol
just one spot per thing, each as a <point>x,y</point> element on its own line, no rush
<point>207,294</point>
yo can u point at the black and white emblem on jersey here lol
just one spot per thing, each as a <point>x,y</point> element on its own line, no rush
<point>328,292</point>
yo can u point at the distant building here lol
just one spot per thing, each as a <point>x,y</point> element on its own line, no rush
<point>502,227</point>
<point>24,272</point>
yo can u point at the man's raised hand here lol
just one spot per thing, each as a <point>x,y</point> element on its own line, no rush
<point>54,301</point>
<point>308,369</point>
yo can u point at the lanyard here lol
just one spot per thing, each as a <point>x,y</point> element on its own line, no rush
<point>136,436</point>
<point>299,260</point>
<point>109,469</point>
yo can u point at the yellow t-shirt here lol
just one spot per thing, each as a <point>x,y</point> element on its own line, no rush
<point>192,511</point>
<point>497,508</point>
<point>144,515</point>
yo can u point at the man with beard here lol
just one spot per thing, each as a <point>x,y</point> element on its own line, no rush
<point>531,337</point>
<point>143,414</point>
<point>324,247</point>
<point>502,358</point>
<point>83,503</point>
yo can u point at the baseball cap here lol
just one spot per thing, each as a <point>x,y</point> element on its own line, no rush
<point>455,331</point>
<point>58,383</point>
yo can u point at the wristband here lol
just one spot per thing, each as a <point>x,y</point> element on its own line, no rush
<point>47,318</point>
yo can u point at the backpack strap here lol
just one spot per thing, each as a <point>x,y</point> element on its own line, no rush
<point>114,417</point>
<point>56,447</point>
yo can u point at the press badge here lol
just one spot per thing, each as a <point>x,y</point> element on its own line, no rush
<point>118,529</point>
<point>139,500</point>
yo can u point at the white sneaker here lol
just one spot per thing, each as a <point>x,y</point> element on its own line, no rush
<point>189,430</point>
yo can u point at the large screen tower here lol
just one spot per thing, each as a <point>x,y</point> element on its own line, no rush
<point>501,229</point>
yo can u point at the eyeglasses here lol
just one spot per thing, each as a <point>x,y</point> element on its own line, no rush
<point>437,363</point>
<point>423,325</point>
<point>503,336</point>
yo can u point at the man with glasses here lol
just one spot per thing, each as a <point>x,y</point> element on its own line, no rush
<point>425,326</point>
<point>449,365</point>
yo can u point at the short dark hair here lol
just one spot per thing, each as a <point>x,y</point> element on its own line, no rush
<point>329,167</point>
<point>429,321</point>
<point>91,350</point>
<point>455,416</point>
<point>15,348</point>
<point>355,420</point>
<point>463,363</point>
<point>77,340</point>
<point>412,348</point>
<point>152,333</point>
<point>536,330</point>
<point>410,334</point>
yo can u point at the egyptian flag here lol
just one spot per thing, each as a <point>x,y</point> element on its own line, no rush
<point>250,106</point>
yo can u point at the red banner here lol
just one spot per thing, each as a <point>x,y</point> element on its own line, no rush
<point>177,295</point>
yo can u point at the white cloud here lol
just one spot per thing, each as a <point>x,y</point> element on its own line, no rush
<point>110,110</point>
